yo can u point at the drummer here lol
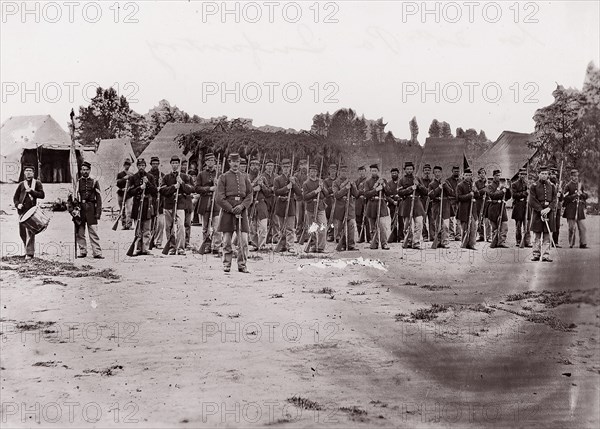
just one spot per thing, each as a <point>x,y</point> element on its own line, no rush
<point>26,196</point>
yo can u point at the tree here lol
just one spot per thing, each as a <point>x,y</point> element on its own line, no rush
<point>389,138</point>
<point>321,122</point>
<point>445,130</point>
<point>460,133</point>
<point>162,114</point>
<point>378,131</point>
<point>435,129</point>
<point>414,130</point>
<point>107,117</point>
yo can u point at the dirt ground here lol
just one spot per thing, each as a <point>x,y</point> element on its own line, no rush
<point>397,339</point>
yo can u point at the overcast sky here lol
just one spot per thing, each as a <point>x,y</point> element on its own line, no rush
<point>378,58</point>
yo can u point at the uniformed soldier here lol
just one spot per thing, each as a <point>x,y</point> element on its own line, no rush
<point>466,194</point>
<point>362,221</point>
<point>142,182</point>
<point>91,210</point>
<point>158,228</point>
<point>122,178</point>
<point>26,196</point>
<point>312,189</point>
<point>542,200</point>
<point>243,165</point>
<point>175,185</point>
<point>193,174</point>
<point>394,202</point>
<point>260,208</point>
<point>554,180</point>
<point>498,194</point>
<point>575,199</point>
<point>234,197</point>
<point>330,201</point>
<point>412,190</point>
<point>520,191</point>
<point>188,205</point>
<point>205,187</point>
<point>442,220</point>
<point>484,228</point>
<point>301,221</point>
<point>286,188</point>
<point>426,179</point>
<point>375,190</point>
<point>345,193</point>
<point>454,233</point>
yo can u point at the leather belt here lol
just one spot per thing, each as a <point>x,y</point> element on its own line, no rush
<point>495,201</point>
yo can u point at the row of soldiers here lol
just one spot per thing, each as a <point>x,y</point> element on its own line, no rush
<point>300,207</point>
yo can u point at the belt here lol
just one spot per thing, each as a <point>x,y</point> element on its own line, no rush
<point>234,198</point>
<point>282,198</point>
<point>495,201</point>
<point>546,203</point>
<point>87,201</point>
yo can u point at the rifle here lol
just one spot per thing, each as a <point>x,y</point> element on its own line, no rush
<point>315,213</point>
<point>138,227</point>
<point>344,238</point>
<point>438,232</point>
<point>528,218</point>
<point>412,208</point>
<point>255,196</point>
<point>270,221</point>
<point>329,221</point>
<point>173,232</point>
<point>76,211</point>
<point>287,206</point>
<point>207,243</point>
<point>467,236</point>
<point>116,224</point>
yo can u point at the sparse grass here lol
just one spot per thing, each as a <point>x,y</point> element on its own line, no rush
<point>356,282</point>
<point>410,284</point>
<point>42,267</point>
<point>423,314</point>
<point>276,295</point>
<point>105,372</point>
<point>434,287</point>
<point>305,404</point>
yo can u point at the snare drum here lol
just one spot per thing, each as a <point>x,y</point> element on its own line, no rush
<point>35,220</point>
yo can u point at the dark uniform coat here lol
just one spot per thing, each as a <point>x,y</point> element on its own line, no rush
<point>425,198</point>
<point>158,199</point>
<point>268,180</point>
<point>570,201</point>
<point>168,190</point>
<point>519,194</point>
<point>260,199</point>
<point>464,201</point>
<point>340,194</point>
<point>481,185</point>
<point>135,189</point>
<point>496,196</point>
<point>309,193</point>
<point>393,196</point>
<point>282,192</point>
<point>372,196</point>
<point>122,178</point>
<point>28,201</point>
<point>405,191</point>
<point>453,184</point>
<point>204,181</point>
<point>541,196</point>
<point>361,201</point>
<point>91,200</point>
<point>233,189</point>
<point>435,194</point>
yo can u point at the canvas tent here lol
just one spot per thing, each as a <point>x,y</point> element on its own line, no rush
<point>165,145</point>
<point>445,152</point>
<point>106,164</point>
<point>25,138</point>
<point>509,153</point>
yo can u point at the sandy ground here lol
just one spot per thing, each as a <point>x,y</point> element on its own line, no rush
<point>435,339</point>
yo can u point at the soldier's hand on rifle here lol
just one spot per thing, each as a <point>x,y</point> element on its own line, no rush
<point>414,187</point>
<point>545,211</point>
<point>238,209</point>
<point>504,190</point>
<point>20,206</point>
<point>212,188</point>
<point>289,185</point>
<point>378,188</point>
<point>348,185</point>
<point>256,188</point>
<point>143,186</point>
<point>176,185</point>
